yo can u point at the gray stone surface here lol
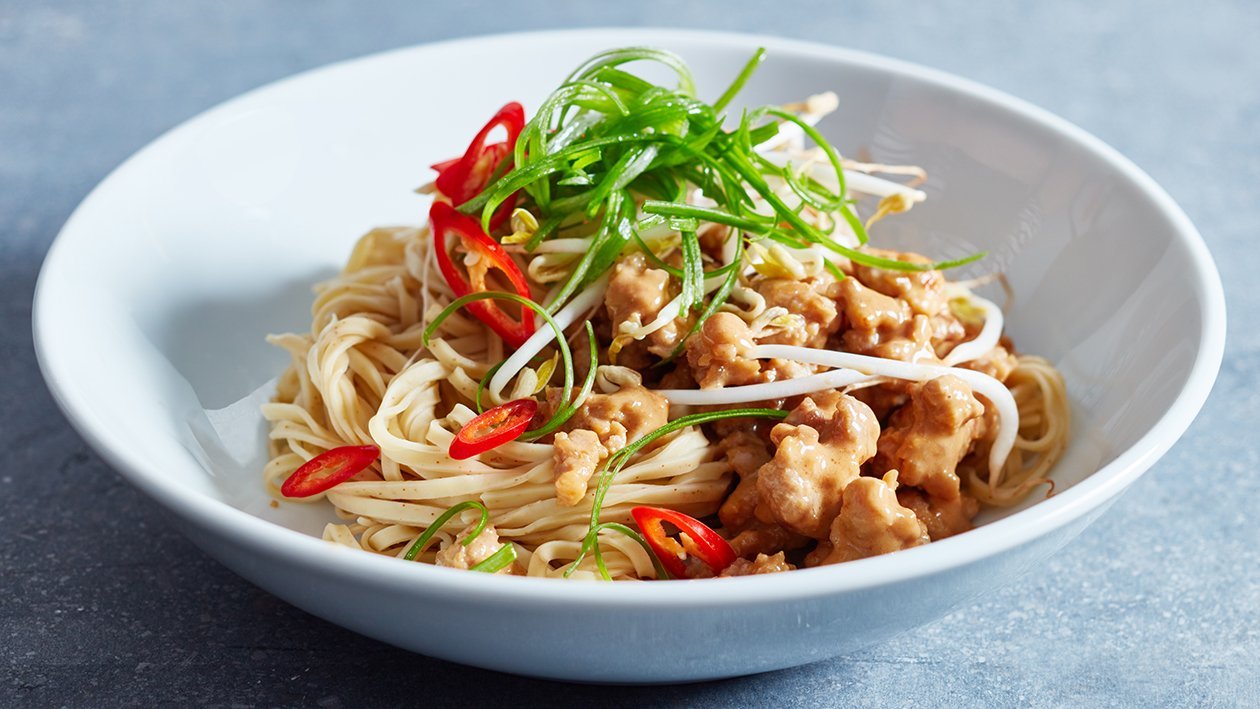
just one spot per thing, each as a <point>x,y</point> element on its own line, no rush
<point>102,603</point>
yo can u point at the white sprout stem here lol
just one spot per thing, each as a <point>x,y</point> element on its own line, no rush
<point>782,389</point>
<point>713,283</point>
<point>671,310</point>
<point>663,318</point>
<point>985,341</point>
<point>877,186</point>
<point>565,246</point>
<point>992,389</point>
<point>790,134</point>
<point>543,336</point>
<point>730,247</point>
<point>856,181</point>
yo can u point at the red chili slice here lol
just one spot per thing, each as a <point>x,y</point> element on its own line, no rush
<point>465,177</point>
<point>447,222</point>
<point>328,469</point>
<point>445,165</point>
<point>706,545</point>
<point>493,428</point>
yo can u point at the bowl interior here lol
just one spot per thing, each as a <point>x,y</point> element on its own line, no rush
<point>157,296</point>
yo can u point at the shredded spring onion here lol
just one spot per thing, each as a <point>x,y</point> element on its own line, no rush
<point>497,561</point>
<point>856,181</point>
<point>569,408</point>
<point>568,315</point>
<point>608,138</point>
<point>422,542</point>
<point>566,357</point>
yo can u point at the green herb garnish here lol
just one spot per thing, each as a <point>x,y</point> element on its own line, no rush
<point>423,540</point>
<point>607,146</point>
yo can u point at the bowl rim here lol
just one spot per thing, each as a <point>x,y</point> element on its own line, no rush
<point>269,539</point>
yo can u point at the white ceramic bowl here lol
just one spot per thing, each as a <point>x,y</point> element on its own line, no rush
<point>155,298</point>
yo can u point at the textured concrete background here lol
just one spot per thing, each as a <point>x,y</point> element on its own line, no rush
<point>102,603</point>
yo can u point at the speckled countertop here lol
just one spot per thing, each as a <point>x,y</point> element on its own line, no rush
<point>1156,604</point>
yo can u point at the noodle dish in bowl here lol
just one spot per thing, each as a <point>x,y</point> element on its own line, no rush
<point>681,355</point>
<point>643,336</point>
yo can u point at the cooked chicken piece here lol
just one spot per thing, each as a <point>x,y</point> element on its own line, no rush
<point>885,326</point>
<point>884,398</point>
<point>603,425</point>
<point>998,363</point>
<point>761,537</point>
<point>622,417</point>
<point>635,296</point>
<point>575,457</point>
<point>822,445</point>
<point>941,518</point>
<point>763,564</point>
<point>713,239</point>
<point>458,556</point>
<point>812,301</point>
<point>739,509</point>
<point>878,325</point>
<point>976,462</point>
<point>870,523</point>
<point>678,378</point>
<point>926,438</point>
<point>924,291</point>
<point>869,310</point>
<point>775,370</point>
<point>720,353</point>
<point>946,332</point>
<point>746,451</point>
<point>743,513</point>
